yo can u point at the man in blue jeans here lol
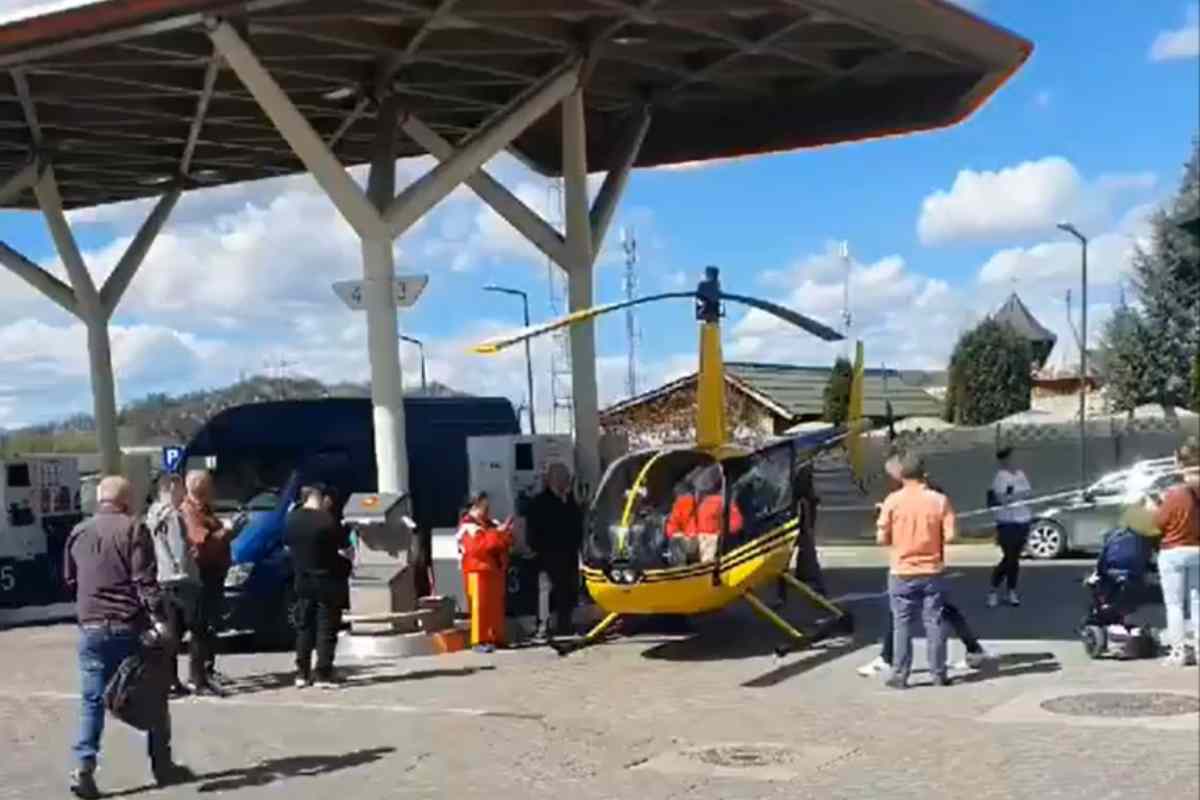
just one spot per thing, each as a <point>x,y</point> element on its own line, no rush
<point>917,523</point>
<point>110,564</point>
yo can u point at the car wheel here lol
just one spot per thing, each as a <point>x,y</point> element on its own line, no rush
<point>1047,540</point>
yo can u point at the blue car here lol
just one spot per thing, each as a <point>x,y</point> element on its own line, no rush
<point>266,451</point>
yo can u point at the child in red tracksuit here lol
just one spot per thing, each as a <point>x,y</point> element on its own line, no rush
<point>483,545</point>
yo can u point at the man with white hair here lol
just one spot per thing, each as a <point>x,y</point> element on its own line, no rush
<point>554,525</point>
<point>109,561</point>
<point>209,541</point>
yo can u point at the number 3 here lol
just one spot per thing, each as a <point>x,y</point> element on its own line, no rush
<point>8,581</point>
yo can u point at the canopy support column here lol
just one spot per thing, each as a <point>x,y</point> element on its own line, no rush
<point>383,344</point>
<point>91,306</point>
<point>585,395</point>
<point>527,222</point>
<point>618,175</point>
<point>481,146</point>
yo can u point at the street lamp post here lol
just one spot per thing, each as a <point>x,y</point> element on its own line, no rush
<point>1083,373</point>
<point>528,359</point>
<point>421,348</point>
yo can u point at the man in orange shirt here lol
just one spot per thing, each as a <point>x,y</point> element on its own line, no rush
<point>917,523</point>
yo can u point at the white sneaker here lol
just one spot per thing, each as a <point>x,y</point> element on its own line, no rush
<point>993,600</point>
<point>1013,600</point>
<point>1176,658</point>
<point>876,667</point>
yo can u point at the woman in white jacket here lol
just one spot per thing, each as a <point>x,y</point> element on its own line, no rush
<point>177,572</point>
<point>1009,495</point>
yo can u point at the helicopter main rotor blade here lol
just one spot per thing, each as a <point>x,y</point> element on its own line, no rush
<point>820,330</point>
<point>498,343</point>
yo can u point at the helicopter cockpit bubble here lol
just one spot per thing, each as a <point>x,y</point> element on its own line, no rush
<point>628,515</point>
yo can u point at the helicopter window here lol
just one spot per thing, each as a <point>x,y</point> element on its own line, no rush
<point>648,491</point>
<point>761,486</point>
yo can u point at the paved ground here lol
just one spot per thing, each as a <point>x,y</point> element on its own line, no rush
<point>610,722</point>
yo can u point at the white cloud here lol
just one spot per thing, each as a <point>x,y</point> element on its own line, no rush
<point>1178,43</point>
<point>1028,198</point>
<point>1055,264</point>
<point>903,316</point>
<point>241,274</point>
<point>910,320</point>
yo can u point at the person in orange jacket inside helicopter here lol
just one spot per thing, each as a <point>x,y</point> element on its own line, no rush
<point>696,516</point>
<point>483,544</point>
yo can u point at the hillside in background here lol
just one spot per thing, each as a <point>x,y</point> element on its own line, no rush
<point>164,419</point>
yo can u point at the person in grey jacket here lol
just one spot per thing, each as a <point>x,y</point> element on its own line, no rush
<point>177,572</point>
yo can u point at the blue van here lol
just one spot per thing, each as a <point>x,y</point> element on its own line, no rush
<point>264,452</point>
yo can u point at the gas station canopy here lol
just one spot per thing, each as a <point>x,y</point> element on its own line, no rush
<point>123,95</point>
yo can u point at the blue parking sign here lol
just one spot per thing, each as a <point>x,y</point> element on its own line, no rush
<point>171,456</point>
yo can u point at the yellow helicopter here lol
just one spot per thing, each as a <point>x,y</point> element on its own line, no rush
<point>632,566</point>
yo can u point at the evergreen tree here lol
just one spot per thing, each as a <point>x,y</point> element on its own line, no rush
<point>990,375</point>
<point>837,392</point>
<point>1123,359</point>
<point>1167,280</point>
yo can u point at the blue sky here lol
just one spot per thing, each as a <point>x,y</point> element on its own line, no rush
<point>941,227</point>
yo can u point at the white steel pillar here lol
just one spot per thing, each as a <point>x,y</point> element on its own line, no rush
<point>579,290</point>
<point>383,344</point>
<point>379,216</point>
<point>91,312</point>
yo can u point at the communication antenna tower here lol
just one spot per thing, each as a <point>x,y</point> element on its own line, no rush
<point>561,399</point>
<point>629,245</point>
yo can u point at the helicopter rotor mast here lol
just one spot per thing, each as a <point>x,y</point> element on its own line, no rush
<point>712,431</point>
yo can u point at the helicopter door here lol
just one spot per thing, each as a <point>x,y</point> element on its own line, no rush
<point>761,487</point>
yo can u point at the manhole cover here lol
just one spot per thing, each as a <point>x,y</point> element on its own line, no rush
<point>743,756</point>
<point>1123,704</point>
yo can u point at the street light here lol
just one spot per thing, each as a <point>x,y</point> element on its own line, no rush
<point>1083,374</point>
<point>528,360</point>
<point>421,347</point>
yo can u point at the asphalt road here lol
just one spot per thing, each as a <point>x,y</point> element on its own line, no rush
<point>709,713</point>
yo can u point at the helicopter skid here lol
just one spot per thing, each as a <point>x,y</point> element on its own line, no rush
<point>565,648</point>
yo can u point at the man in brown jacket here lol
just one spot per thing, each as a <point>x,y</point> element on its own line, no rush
<point>109,563</point>
<point>209,540</point>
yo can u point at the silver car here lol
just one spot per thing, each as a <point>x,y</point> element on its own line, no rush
<point>1080,523</point>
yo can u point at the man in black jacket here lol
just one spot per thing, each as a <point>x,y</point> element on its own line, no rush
<point>554,532</point>
<point>315,540</point>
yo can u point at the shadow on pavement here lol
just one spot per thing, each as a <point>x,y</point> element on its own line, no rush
<point>281,769</point>
<point>805,661</point>
<point>272,771</point>
<point>1014,665</point>
<point>354,677</point>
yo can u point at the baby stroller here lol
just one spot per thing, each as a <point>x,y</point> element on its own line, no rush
<point>1117,589</point>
